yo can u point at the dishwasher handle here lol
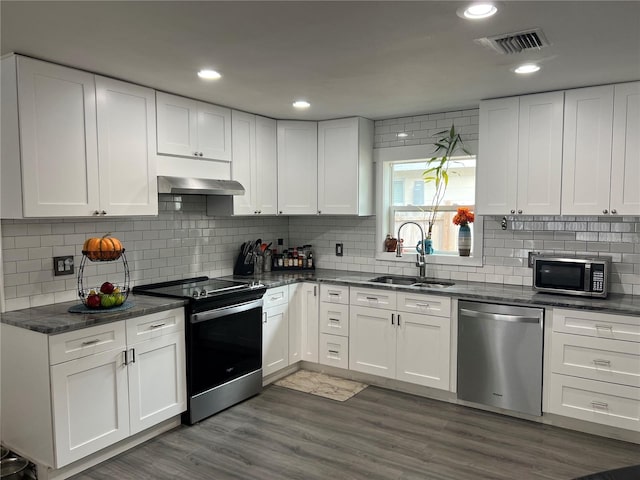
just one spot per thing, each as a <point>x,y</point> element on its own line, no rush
<point>500,317</point>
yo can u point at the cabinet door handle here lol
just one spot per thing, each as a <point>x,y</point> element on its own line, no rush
<point>103,212</point>
<point>265,317</point>
<point>336,320</point>
<point>126,360</point>
<point>393,318</point>
<point>96,212</point>
<point>157,325</point>
<point>605,211</point>
<point>513,211</point>
<point>280,212</point>
<point>398,319</point>
<point>520,211</point>
<point>602,405</point>
<point>614,211</point>
<point>90,342</point>
<point>133,355</point>
<point>314,290</point>
<point>602,361</point>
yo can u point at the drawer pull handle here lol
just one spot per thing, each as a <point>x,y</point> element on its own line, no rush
<point>335,294</point>
<point>425,305</point>
<point>372,298</point>
<point>273,299</point>
<point>602,405</point>
<point>157,325</point>
<point>335,352</point>
<point>334,320</point>
<point>604,327</point>
<point>90,342</point>
<point>601,361</point>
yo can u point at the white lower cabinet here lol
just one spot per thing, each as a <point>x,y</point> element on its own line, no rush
<point>595,368</point>
<point>410,343</point>
<point>334,350</point>
<point>303,322</point>
<point>275,332</point>
<point>106,383</point>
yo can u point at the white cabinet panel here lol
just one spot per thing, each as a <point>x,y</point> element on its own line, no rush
<point>297,167</point>
<point>214,131</point>
<point>126,153</point>
<point>86,341</point>
<point>345,167</point>
<point>334,294</point>
<point>57,154</point>
<point>596,324</point>
<point>372,341</point>
<point>243,167</point>
<point>266,166</point>
<point>275,339</point>
<point>334,350</point>
<point>304,303</point>
<point>157,387</point>
<point>369,297</point>
<point>625,158</point>
<point>424,304</point>
<point>586,159</point>
<point>423,350</point>
<point>90,405</point>
<point>497,171</point>
<point>334,319</point>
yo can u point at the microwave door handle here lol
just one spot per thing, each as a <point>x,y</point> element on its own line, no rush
<point>587,277</point>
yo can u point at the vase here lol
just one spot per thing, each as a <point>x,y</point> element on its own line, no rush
<point>464,241</point>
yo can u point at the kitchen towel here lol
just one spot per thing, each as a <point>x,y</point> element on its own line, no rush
<point>323,385</point>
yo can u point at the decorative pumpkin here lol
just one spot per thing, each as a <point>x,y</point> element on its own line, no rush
<point>104,248</point>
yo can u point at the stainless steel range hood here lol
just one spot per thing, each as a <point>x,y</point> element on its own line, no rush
<point>199,186</point>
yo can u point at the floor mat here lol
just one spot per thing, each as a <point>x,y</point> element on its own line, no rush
<point>322,385</point>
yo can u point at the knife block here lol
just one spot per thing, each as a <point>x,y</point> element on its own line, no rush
<point>241,268</point>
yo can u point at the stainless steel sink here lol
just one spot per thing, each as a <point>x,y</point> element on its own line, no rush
<point>412,281</point>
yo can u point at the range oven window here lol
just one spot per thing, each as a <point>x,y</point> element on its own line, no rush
<point>224,348</point>
<point>560,275</point>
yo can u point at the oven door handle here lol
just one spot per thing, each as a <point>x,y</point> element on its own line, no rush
<point>222,312</point>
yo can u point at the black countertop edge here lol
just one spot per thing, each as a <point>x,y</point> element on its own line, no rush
<point>55,319</point>
<point>615,303</point>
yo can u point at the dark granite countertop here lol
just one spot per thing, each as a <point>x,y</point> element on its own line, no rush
<point>53,319</point>
<point>491,292</point>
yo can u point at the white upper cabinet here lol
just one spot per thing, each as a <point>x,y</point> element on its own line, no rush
<point>188,128</point>
<point>520,155</point>
<point>297,167</point>
<point>625,158</point>
<point>126,153</point>
<point>588,133</point>
<point>345,167</point>
<point>74,144</point>
<point>254,165</point>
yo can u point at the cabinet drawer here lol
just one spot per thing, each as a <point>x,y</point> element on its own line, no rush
<point>369,297</point>
<point>334,350</point>
<point>334,319</point>
<point>276,296</point>
<point>334,294</point>
<point>599,402</point>
<point>596,358</point>
<point>433,305</point>
<point>87,341</point>
<point>596,324</point>
<point>155,325</point>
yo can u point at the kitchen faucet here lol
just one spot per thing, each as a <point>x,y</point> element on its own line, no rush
<point>420,263</point>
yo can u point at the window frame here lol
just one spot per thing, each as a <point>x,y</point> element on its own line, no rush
<point>383,158</point>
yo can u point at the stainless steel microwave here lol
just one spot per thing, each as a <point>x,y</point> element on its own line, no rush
<point>582,276</point>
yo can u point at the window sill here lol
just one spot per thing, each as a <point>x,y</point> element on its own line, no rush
<point>431,259</point>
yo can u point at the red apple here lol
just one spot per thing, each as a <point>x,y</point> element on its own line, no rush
<point>93,301</point>
<point>107,287</point>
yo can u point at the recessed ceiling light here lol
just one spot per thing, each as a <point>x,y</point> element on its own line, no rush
<point>527,68</point>
<point>301,104</point>
<point>479,10</point>
<point>209,74</point>
<point>403,134</point>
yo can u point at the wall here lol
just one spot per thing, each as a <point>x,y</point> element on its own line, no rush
<point>180,242</point>
<point>505,251</point>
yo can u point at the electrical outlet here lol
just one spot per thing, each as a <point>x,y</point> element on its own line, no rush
<point>339,250</point>
<point>63,265</point>
<point>530,259</point>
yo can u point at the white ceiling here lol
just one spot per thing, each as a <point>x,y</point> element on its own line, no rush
<point>376,59</point>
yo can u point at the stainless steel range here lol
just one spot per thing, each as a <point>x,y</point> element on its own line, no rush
<point>224,341</point>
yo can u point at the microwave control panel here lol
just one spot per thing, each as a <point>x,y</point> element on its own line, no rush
<point>597,278</point>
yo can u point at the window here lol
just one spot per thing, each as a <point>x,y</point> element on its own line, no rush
<point>396,210</point>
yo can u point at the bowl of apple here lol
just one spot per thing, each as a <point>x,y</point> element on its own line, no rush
<point>106,296</point>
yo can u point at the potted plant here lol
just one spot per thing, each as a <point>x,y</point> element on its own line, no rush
<point>447,145</point>
<point>463,218</point>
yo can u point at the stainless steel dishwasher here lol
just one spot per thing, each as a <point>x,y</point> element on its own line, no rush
<point>500,356</point>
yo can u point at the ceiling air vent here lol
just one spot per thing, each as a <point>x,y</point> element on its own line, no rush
<point>517,42</point>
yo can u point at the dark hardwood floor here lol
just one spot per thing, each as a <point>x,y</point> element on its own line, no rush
<point>378,434</point>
